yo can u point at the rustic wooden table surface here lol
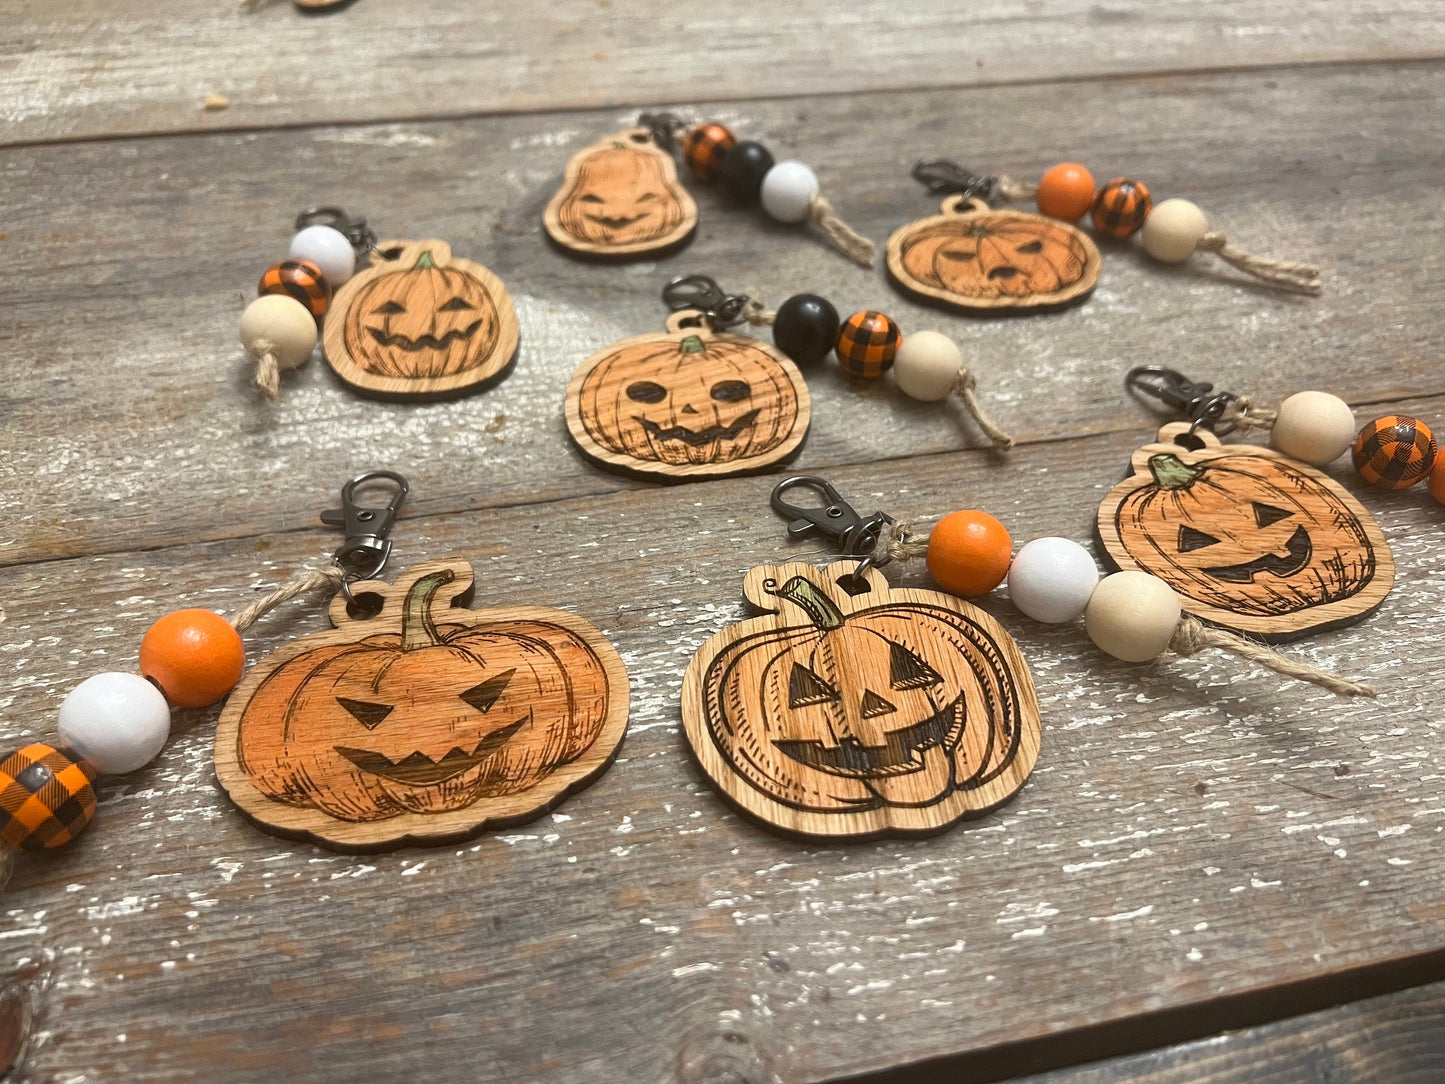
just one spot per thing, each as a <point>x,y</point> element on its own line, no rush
<point>1203,847</point>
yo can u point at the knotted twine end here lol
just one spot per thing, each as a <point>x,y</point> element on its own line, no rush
<point>845,238</point>
<point>1193,636</point>
<point>1241,414</point>
<point>1006,188</point>
<point>1302,278</point>
<point>964,386</point>
<point>899,544</point>
<point>304,582</point>
<point>757,314</point>
<point>268,370</point>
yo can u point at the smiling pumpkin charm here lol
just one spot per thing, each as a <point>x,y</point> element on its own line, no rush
<point>424,723</point>
<point>974,258</point>
<point>621,198</point>
<point>1252,540</point>
<point>420,323</point>
<point>852,709</point>
<point>694,402</point>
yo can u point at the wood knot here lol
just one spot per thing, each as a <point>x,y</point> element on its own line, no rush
<point>725,1056</point>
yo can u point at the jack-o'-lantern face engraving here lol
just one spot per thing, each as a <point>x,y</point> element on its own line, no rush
<point>1250,539</point>
<point>692,401</point>
<point>994,259</point>
<point>621,197</point>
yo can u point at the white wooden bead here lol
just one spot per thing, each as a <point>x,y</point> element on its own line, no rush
<point>1172,231</point>
<point>329,249</point>
<point>788,191</point>
<point>118,722</point>
<point>1052,579</point>
<point>1314,426</point>
<point>1132,615</point>
<point>280,325</point>
<point>926,365</point>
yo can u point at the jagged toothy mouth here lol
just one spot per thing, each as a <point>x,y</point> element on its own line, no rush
<point>899,755</point>
<point>419,770</point>
<point>424,342</point>
<point>698,438</point>
<point>1298,551</point>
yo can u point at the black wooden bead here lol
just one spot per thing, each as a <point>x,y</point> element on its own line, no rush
<point>806,328</point>
<point>743,171</point>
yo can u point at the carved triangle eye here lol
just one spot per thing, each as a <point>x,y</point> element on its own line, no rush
<point>806,688</point>
<point>1265,514</point>
<point>908,671</point>
<point>485,694</point>
<point>364,712</point>
<point>874,705</point>
<point>1191,540</point>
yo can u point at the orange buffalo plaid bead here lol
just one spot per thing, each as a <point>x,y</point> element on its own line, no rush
<point>705,148</point>
<point>1395,452</point>
<point>1121,207</point>
<point>867,343</point>
<point>47,797</point>
<point>300,279</point>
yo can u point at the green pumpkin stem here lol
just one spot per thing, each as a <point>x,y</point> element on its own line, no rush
<point>424,261</point>
<point>691,345</point>
<point>418,630</point>
<point>1171,472</point>
<point>818,606</point>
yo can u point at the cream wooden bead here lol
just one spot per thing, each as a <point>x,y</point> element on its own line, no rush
<point>1132,616</point>
<point>1173,230</point>
<point>118,722</point>
<point>1314,427</point>
<point>280,326</point>
<point>926,366</point>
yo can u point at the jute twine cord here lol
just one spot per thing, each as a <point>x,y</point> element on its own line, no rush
<point>268,372</point>
<point>1242,415</point>
<point>900,544</point>
<point>302,584</point>
<point>757,314</point>
<point>1300,278</point>
<point>964,386</point>
<point>845,238</point>
<point>1006,188</point>
<point>1193,636</point>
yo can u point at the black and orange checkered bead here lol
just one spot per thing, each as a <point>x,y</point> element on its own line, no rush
<point>705,148</point>
<point>1395,452</point>
<point>300,279</point>
<point>47,797</point>
<point>867,343</point>
<point>1121,207</point>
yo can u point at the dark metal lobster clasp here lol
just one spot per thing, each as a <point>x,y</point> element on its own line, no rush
<point>856,535</point>
<point>368,527</point>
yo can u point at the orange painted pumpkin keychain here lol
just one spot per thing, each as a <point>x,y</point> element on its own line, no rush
<point>399,319</point>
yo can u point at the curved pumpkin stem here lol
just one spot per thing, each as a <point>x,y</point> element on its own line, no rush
<point>424,261</point>
<point>818,606</point>
<point>1171,472</point>
<point>418,630</point>
<point>693,344</point>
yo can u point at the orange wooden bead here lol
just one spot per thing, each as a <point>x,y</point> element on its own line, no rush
<point>1437,480</point>
<point>969,553</point>
<point>1066,191</point>
<point>194,656</point>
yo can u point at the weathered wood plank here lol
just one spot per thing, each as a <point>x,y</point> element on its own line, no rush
<point>1194,830</point>
<point>107,67</point>
<point>128,263</point>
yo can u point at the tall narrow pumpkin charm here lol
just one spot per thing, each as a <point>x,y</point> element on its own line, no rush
<point>974,258</point>
<point>425,723</point>
<point>1251,540</point>
<point>842,715</point>
<point>621,198</point>
<point>420,323</point>
<point>690,403</point>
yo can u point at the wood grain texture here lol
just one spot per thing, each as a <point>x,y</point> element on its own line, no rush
<point>98,324</point>
<point>106,67</point>
<point>1194,829</point>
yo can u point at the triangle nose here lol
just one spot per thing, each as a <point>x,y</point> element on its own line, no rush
<point>874,705</point>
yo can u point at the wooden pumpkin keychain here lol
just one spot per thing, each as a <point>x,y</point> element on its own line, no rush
<point>621,197</point>
<point>980,259</point>
<point>851,709</point>
<point>415,322</point>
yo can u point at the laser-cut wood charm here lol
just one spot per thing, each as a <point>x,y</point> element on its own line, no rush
<point>835,715</point>
<point>975,258</point>
<point>425,723</point>
<point>420,323</point>
<point>621,198</point>
<point>1252,540</point>
<point>690,403</point>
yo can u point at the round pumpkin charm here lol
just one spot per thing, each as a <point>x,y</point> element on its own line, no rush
<point>621,198</point>
<point>420,323</point>
<point>690,403</point>
<point>842,714</point>
<point>1250,539</point>
<point>975,258</point>
<point>424,723</point>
